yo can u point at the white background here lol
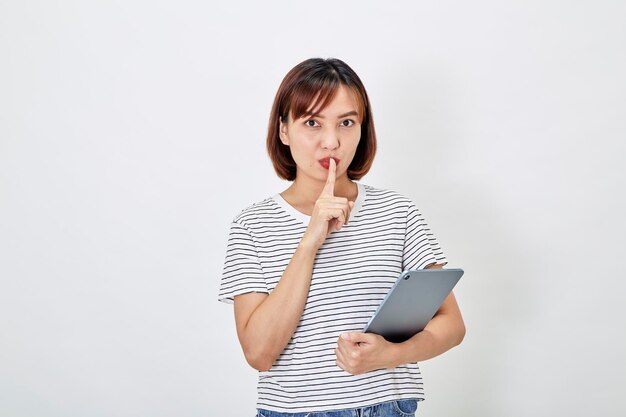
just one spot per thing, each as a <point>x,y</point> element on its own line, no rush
<point>132,132</point>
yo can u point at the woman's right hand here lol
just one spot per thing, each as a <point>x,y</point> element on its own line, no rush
<point>329,214</point>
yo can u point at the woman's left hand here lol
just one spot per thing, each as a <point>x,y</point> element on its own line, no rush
<point>358,353</point>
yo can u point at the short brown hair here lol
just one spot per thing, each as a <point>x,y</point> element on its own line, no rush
<point>319,79</point>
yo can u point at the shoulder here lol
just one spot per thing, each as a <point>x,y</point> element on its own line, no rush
<point>384,197</point>
<point>265,209</point>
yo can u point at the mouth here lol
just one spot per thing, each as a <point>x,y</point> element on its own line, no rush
<point>325,162</point>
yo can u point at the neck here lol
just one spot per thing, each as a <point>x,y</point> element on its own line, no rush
<point>304,192</point>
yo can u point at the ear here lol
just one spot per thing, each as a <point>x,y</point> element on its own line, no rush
<point>282,132</point>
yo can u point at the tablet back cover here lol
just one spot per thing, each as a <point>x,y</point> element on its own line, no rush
<point>412,302</point>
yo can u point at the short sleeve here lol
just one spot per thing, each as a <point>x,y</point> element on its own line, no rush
<point>421,249</point>
<point>242,269</point>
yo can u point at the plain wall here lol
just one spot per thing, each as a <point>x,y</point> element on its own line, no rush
<point>132,132</point>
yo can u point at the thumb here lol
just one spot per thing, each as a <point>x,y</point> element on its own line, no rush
<point>356,337</point>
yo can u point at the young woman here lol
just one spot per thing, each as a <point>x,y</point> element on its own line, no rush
<point>308,267</point>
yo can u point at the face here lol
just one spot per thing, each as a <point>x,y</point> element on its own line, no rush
<point>333,133</point>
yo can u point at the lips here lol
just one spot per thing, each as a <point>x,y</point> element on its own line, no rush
<point>325,162</point>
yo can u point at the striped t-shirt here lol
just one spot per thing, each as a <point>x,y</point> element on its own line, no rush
<point>353,271</point>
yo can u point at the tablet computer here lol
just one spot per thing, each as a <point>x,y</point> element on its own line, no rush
<point>412,302</point>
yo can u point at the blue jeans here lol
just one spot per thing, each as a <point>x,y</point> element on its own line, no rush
<point>398,408</point>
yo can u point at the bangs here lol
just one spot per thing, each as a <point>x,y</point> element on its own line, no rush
<point>307,89</point>
<point>310,98</point>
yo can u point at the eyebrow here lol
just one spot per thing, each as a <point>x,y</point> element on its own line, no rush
<point>350,113</point>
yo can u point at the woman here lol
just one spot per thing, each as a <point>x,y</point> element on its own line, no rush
<point>308,267</point>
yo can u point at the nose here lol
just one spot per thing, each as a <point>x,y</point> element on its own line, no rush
<point>330,139</point>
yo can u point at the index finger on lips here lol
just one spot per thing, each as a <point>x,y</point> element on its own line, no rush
<point>329,188</point>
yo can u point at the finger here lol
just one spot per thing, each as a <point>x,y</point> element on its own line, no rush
<point>335,225</point>
<point>336,216</point>
<point>339,361</point>
<point>350,207</point>
<point>342,358</point>
<point>339,350</point>
<point>358,337</point>
<point>329,188</point>
<point>346,345</point>
<point>351,341</point>
<point>340,221</point>
<point>331,227</point>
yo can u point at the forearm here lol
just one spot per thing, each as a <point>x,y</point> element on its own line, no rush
<point>441,334</point>
<point>266,324</point>
<point>273,322</point>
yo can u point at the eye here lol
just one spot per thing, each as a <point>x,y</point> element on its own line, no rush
<point>347,123</point>
<point>311,123</point>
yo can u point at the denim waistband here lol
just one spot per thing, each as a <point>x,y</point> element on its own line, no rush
<point>396,408</point>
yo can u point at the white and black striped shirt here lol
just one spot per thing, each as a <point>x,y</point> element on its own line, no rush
<point>353,271</point>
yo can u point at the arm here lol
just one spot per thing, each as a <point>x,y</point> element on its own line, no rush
<point>266,322</point>
<point>445,331</point>
<point>363,352</point>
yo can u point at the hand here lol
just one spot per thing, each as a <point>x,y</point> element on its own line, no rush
<point>358,353</point>
<point>330,213</point>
